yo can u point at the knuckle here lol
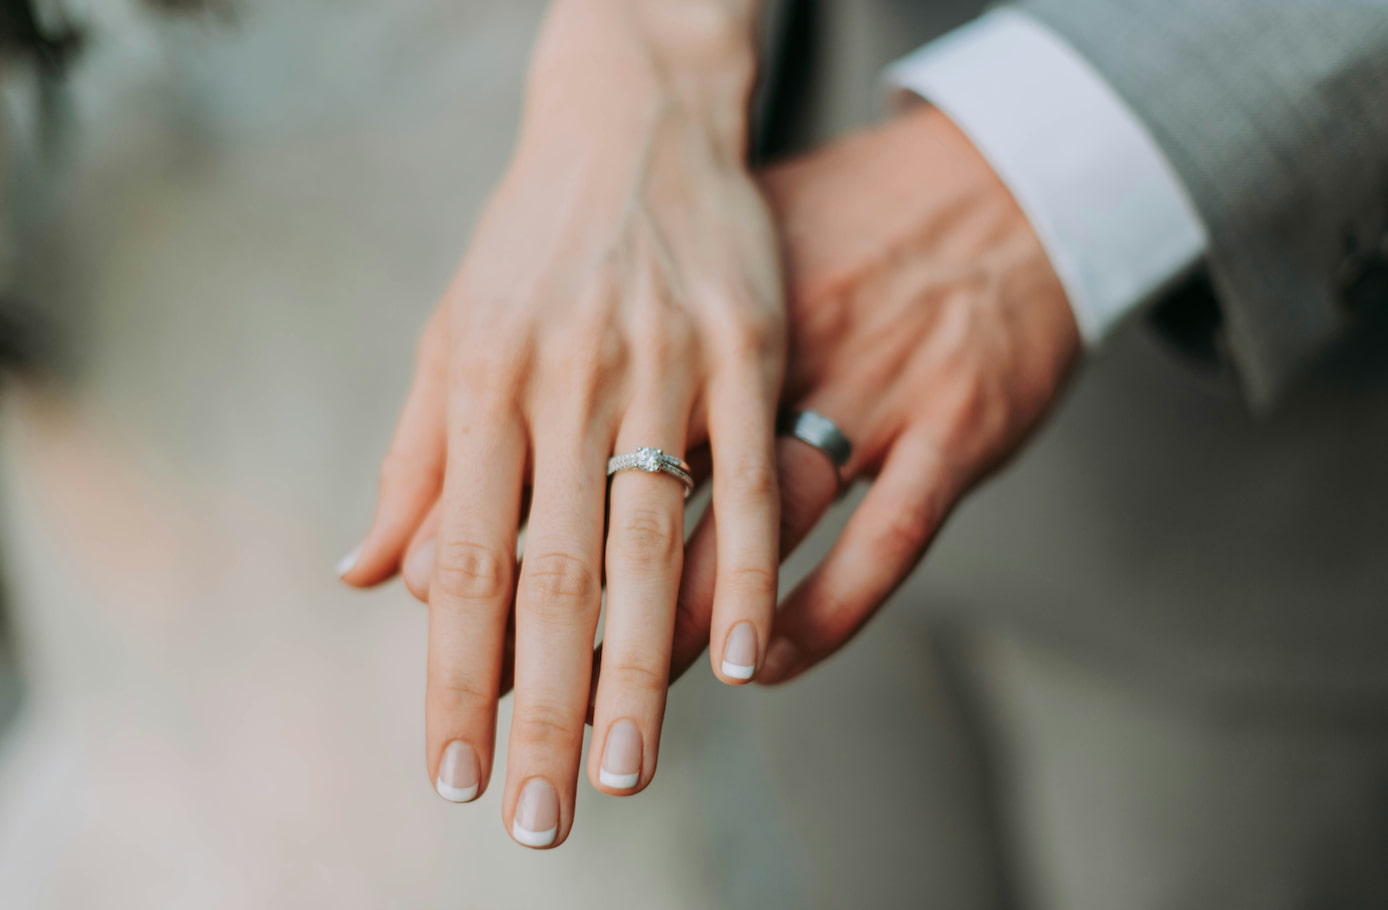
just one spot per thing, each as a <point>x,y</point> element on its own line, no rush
<point>754,480</point>
<point>979,414</point>
<point>665,343</point>
<point>482,363</point>
<point>649,537</point>
<point>836,617</point>
<point>590,351</point>
<point>586,366</point>
<point>971,406</point>
<point>755,336</point>
<point>908,529</point>
<point>465,570</point>
<point>496,405</point>
<point>560,579</point>
<point>546,725</point>
<point>496,365</point>
<point>452,691</point>
<point>639,674</point>
<point>752,581</point>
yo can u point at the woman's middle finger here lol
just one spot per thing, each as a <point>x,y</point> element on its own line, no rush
<point>746,495</point>
<point>557,605</point>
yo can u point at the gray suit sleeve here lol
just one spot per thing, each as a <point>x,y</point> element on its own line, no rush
<point>1275,114</point>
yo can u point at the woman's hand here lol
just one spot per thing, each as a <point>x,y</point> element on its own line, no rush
<point>622,290</point>
<point>927,322</point>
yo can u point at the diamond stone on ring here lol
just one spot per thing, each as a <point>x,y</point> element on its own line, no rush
<point>652,461</point>
<point>813,428</point>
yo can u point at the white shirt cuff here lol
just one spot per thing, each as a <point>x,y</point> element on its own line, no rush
<point>1107,206</point>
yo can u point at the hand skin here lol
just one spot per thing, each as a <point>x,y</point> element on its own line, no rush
<point>927,322</point>
<point>622,290</point>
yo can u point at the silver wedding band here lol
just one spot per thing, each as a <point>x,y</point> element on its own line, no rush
<point>653,461</point>
<point>813,428</point>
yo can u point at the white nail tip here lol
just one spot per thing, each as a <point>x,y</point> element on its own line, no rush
<point>456,794</point>
<point>348,562</point>
<point>737,671</point>
<point>618,781</point>
<point>534,838</point>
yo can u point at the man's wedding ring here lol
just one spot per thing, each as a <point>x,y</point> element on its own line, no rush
<point>652,461</point>
<point>813,428</point>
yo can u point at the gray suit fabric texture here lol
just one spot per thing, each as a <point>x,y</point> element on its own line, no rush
<point>1275,115</point>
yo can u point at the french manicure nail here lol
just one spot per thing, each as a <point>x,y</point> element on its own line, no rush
<point>536,823</point>
<point>621,757</point>
<point>348,562</point>
<point>459,775</point>
<point>740,652</point>
<point>419,567</point>
<point>781,655</point>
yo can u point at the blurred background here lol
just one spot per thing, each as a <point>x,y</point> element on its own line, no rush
<point>224,230</point>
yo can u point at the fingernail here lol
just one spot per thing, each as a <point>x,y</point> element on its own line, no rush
<point>536,823</point>
<point>740,652</point>
<point>459,774</point>
<point>348,562</point>
<point>621,757</point>
<point>419,567</point>
<point>781,656</point>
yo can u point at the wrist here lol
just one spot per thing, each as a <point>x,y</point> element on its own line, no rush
<point>614,65</point>
<point>702,34</point>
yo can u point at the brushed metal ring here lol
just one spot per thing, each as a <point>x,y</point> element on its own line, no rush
<point>814,429</point>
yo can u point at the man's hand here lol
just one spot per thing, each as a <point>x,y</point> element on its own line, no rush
<point>927,322</point>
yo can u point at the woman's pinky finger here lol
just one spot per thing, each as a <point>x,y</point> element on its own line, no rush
<point>880,545</point>
<point>808,484</point>
<point>411,473</point>
<point>746,496</point>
